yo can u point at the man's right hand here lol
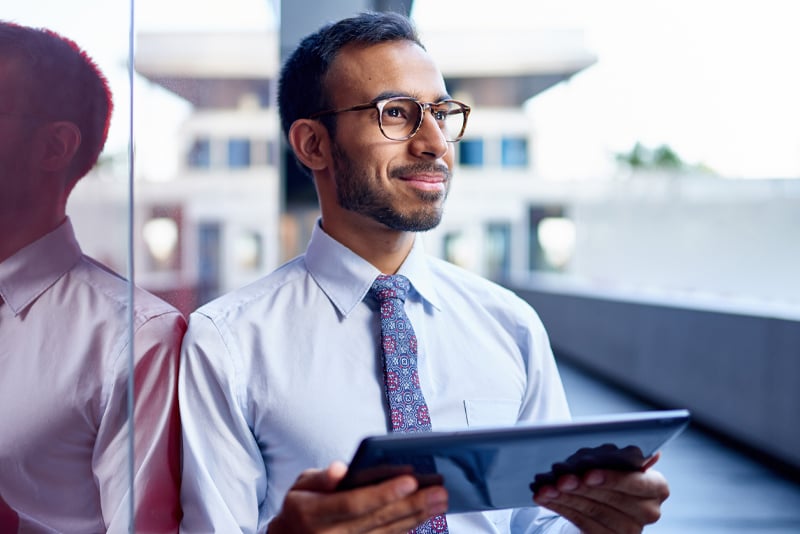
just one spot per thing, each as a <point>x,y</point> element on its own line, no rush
<point>394,506</point>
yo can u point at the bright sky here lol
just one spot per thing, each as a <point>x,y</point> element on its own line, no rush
<point>716,80</point>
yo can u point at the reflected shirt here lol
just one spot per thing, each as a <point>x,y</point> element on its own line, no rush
<point>285,374</point>
<point>63,394</point>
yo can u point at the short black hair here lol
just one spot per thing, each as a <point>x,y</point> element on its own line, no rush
<point>301,90</point>
<point>62,83</point>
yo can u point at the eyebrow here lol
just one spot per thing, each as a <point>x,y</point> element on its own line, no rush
<point>391,94</point>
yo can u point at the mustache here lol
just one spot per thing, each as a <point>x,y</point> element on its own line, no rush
<point>421,168</point>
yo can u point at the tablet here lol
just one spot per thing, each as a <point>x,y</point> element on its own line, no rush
<point>497,468</point>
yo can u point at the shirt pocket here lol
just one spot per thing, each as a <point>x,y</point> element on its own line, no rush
<point>491,412</point>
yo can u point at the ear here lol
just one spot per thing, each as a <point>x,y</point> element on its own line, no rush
<point>311,143</point>
<point>59,141</point>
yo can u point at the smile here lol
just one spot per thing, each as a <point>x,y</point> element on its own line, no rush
<point>427,182</point>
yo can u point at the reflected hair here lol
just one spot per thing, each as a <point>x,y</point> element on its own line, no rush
<point>61,83</point>
<point>301,86</point>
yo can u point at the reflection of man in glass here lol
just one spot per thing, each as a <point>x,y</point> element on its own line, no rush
<point>286,373</point>
<point>64,329</point>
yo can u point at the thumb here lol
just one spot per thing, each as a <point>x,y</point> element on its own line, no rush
<point>321,480</point>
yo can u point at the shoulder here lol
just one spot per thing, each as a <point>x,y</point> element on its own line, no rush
<point>259,297</point>
<point>456,280</point>
<point>112,292</point>
<point>474,298</point>
<point>105,302</point>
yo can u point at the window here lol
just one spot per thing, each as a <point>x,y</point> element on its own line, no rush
<point>200,154</point>
<point>514,152</point>
<point>470,152</point>
<point>161,234</point>
<point>551,238</point>
<point>248,251</point>
<point>498,250</point>
<point>238,153</point>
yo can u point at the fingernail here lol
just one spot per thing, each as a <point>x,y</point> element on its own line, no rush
<point>547,494</point>
<point>595,478</point>
<point>406,486</point>
<point>568,484</point>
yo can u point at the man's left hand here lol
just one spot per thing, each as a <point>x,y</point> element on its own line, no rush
<point>606,501</point>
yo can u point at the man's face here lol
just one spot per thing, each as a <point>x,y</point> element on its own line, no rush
<point>400,184</point>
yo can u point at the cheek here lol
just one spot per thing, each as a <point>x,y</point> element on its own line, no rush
<point>379,159</point>
<point>449,157</point>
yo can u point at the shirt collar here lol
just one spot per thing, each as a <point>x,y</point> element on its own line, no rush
<point>28,273</point>
<point>345,277</point>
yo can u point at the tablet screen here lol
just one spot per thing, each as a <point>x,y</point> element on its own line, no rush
<point>501,468</point>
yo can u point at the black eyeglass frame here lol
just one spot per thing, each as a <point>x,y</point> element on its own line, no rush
<point>423,106</point>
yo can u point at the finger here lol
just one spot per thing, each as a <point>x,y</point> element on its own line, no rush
<point>613,508</point>
<point>651,461</point>
<point>612,498</point>
<point>591,516</point>
<point>644,485</point>
<point>403,515</point>
<point>346,506</point>
<point>308,510</point>
<point>362,501</point>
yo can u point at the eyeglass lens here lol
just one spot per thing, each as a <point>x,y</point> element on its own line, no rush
<point>400,118</point>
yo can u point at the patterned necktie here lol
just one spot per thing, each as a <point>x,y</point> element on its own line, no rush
<point>409,412</point>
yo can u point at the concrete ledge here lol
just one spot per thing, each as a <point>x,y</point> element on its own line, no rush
<point>739,374</point>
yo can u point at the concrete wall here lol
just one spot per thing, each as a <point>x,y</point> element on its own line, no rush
<point>739,373</point>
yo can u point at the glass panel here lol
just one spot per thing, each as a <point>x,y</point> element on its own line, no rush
<point>65,457</point>
<point>216,114</point>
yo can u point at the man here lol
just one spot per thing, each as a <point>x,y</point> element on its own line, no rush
<point>64,444</point>
<point>288,373</point>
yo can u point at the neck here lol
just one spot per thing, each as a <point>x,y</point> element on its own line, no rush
<point>384,248</point>
<point>20,231</point>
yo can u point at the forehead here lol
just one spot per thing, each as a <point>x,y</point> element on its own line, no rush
<point>360,73</point>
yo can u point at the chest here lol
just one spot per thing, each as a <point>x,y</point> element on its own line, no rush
<point>322,386</point>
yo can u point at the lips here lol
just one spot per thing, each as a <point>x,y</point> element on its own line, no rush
<point>427,178</point>
<point>431,174</point>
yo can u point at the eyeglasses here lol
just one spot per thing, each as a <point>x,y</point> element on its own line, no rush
<point>400,117</point>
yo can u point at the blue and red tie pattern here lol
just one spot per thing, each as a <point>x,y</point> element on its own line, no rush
<point>407,407</point>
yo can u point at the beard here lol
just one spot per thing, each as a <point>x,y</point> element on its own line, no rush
<point>359,192</point>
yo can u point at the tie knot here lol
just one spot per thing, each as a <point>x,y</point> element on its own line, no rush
<point>388,287</point>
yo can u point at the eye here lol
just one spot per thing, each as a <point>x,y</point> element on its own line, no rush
<point>395,111</point>
<point>439,114</point>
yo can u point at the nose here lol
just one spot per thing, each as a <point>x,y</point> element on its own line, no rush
<point>429,142</point>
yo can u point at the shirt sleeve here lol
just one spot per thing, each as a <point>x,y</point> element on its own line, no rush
<point>156,456</point>
<point>224,476</point>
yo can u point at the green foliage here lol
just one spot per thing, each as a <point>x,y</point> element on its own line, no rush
<point>661,158</point>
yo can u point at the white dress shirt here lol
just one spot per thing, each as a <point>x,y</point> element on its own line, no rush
<point>285,374</point>
<point>63,394</point>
